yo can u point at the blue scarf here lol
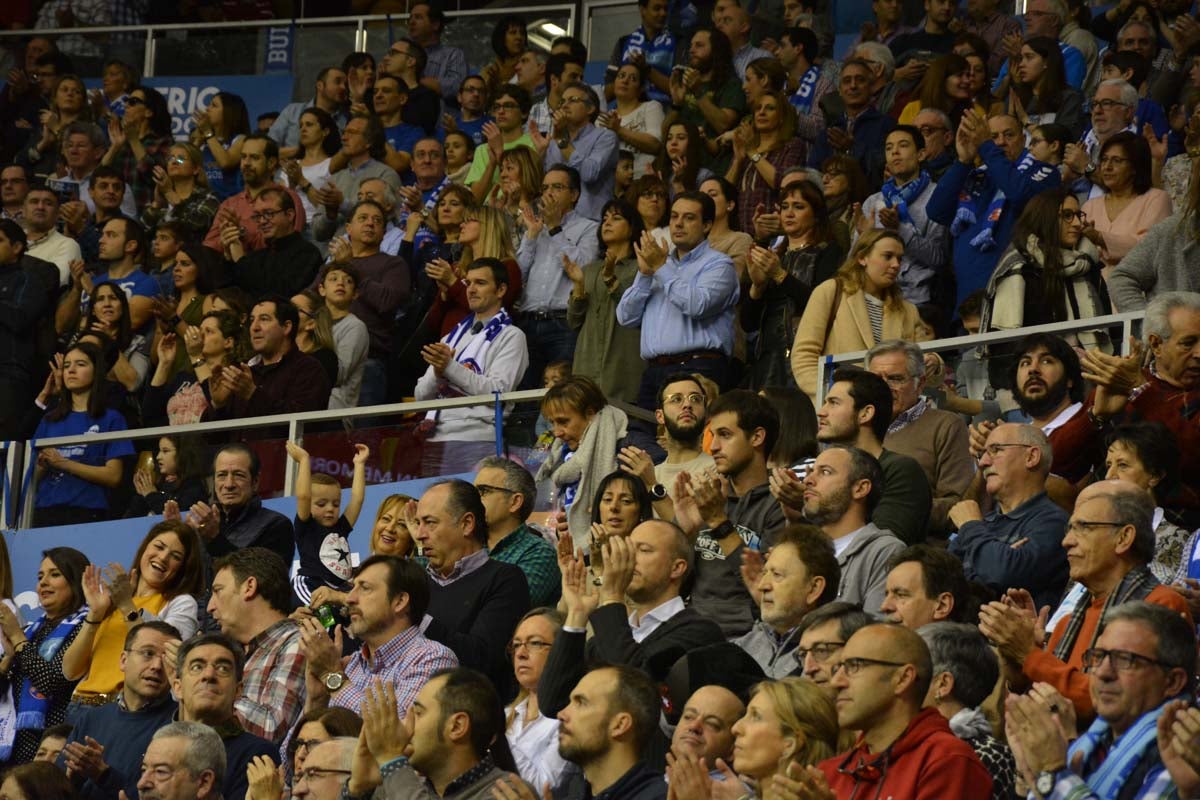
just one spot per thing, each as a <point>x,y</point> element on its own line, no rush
<point>659,54</point>
<point>1124,754</point>
<point>964,217</point>
<point>802,100</point>
<point>32,704</point>
<point>1193,559</point>
<point>898,197</point>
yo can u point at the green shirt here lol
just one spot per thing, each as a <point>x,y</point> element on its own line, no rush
<point>483,155</point>
<point>537,558</point>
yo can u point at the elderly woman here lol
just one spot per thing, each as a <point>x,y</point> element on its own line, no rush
<point>532,736</point>
<point>587,431</point>
<point>965,670</point>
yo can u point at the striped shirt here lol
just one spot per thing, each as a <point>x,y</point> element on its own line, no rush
<point>875,312</point>
<point>407,662</point>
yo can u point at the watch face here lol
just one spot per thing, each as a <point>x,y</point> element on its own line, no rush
<point>334,681</point>
<point>1045,783</point>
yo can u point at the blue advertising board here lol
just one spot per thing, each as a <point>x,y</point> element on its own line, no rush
<point>118,540</point>
<point>187,94</point>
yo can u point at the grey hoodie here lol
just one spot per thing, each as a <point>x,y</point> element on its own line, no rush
<point>864,566</point>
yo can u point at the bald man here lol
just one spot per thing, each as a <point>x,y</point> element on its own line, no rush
<point>880,681</point>
<point>705,728</point>
<point>1018,542</point>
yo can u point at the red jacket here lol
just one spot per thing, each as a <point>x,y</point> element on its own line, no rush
<point>927,762</point>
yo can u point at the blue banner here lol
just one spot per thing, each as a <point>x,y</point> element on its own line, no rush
<point>277,55</point>
<point>187,94</point>
<point>118,540</point>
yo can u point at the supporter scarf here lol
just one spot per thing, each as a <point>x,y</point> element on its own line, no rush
<point>1122,757</point>
<point>898,197</point>
<point>965,217</point>
<point>802,100</point>
<point>1136,585</point>
<point>32,704</point>
<point>1193,558</point>
<point>473,356</point>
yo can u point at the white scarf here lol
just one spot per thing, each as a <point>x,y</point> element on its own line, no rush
<point>473,353</point>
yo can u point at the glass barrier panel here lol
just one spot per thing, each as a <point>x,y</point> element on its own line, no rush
<point>608,24</point>
<point>216,51</point>
<point>473,34</point>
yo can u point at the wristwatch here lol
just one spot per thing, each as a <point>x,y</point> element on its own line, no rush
<point>755,158</point>
<point>658,491</point>
<point>1045,782</point>
<point>334,680</point>
<point>134,616</point>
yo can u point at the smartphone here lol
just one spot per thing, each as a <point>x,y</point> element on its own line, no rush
<point>67,191</point>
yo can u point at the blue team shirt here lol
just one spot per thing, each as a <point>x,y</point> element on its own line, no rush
<point>60,489</point>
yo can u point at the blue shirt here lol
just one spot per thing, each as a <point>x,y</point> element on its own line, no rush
<point>659,54</point>
<point>595,156</point>
<point>404,137</point>
<point>472,127</point>
<point>60,489</point>
<point>546,285</point>
<point>690,300</point>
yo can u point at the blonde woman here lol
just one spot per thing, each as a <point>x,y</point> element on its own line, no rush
<point>791,721</point>
<point>484,233</point>
<point>532,736</point>
<point>519,186</point>
<point>181,192</point>
<point>856,309</point>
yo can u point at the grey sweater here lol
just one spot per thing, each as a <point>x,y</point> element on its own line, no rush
<point>864,567</point>
<point>1158,263</point>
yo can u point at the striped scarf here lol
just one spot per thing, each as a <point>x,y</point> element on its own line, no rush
<point>1136,585</point>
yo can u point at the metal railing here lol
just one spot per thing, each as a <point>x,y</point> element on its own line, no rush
<point>826,363</point>
<point>19,468</point>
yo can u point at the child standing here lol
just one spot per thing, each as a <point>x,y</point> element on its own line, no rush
<point>339,288</point>
<point>320,527</point>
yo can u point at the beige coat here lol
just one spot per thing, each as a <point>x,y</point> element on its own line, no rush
<point>850,332</point>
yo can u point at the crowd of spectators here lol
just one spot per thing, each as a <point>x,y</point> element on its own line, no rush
<point>969,575</point>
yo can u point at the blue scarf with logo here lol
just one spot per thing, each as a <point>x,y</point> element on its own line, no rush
<point>964,217</point>
<point>32,704</point>
<point>802,100</point>
<point>898,197</point>
<point>1108,777</point>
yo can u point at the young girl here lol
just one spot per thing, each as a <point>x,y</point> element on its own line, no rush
<point>320,530</point>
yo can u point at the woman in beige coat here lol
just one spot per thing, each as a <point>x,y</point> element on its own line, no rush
<point>838,317</point>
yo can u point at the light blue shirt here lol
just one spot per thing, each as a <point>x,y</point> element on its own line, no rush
<point>690,302</point>
<point>546,285</point>
<point>595,156</point>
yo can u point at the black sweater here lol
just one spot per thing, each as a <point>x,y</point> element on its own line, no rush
<point>475,616</point>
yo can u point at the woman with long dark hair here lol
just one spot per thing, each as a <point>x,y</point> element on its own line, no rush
<point>606,352</point>
<point>220,130</point>
<point>179,397</point>
<point>648,195</point>
<point>844,185</point>
<point>1039,91</point>
<point>509,41</point>
<point>1130,206</point>
<point>139,141</point>
<point>635,119</point>
<point>73,483</point>
<point>319,140</point>
<point>782,280</point>
<point>946,86</point>
<point>681,160</point>
<point>162,583</point>
<point>33,656</point>
<point>1050,272</point>
<point>108,313</point>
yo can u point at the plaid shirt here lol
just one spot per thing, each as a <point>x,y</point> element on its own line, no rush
<point>273,693</point>
<point>407,661</point>
<point>537,559</point>
<point>1069,786</point>
<point>139,174</point>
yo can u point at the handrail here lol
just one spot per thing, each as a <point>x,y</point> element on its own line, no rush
<point>274,420</point>
<point>826,363</point>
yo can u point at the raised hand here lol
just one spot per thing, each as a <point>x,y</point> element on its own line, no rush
<point>85,758</point>
<point>387,734</point>
<point>494,139</point>
<point>1179,745</point>
<point>361,454</point>
<point>95,593</point>
<point>296,452</point>
<point>572,270</point>
<point>263,779</point>
<point>578,593</point>
<point>650,254</point>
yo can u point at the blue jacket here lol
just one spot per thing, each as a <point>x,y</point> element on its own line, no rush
<point>972,266</point>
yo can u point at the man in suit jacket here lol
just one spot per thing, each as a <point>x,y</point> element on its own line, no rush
<point>648,567</point>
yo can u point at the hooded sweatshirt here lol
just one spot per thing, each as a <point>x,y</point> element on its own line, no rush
<point>927,762</point>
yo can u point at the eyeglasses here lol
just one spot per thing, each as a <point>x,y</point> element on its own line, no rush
<point>147,653</point>
<point>309,744</point>
<point>695,398</point>
<point>896,381</point>
<point>505,106</point>
<point>1084,526</point>
<point>820,652</point>
<point>532,645</point>
<point>222,668</point>
<point>994,450</point>
<point>134,100</point>
<point>566,101</point>
<point>853,666</point>
<point>1108,105</point>
<point>314,773</point>
<point>485,489</point>
<point>1116,161</point>
<point>1122,660</point>
<point>177,160</point>
<point>266,215</point>
<point>1068,215</point>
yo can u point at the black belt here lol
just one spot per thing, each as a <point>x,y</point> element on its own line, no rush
<point>540,316</point>
<point>683,358</point>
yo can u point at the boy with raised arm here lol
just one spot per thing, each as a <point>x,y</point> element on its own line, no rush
<point>321,529</point>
